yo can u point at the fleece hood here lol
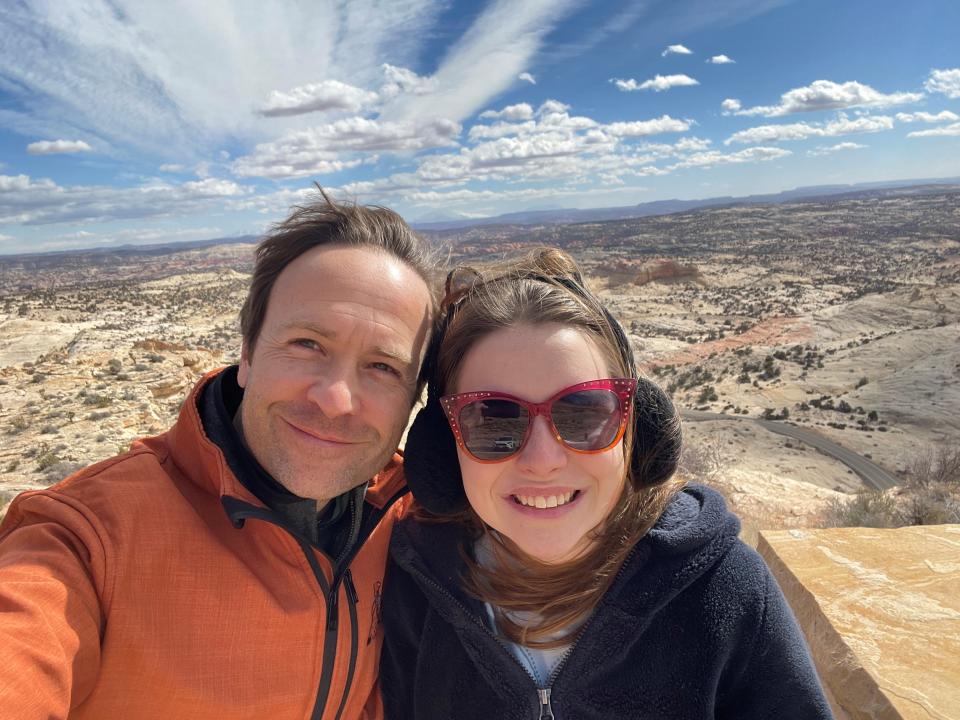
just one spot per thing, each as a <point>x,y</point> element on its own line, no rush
<point>691,536</point>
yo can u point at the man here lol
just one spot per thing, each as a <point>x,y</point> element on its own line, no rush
<point>231,567</point>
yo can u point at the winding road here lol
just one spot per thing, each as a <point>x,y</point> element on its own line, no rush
<point>873,475</point>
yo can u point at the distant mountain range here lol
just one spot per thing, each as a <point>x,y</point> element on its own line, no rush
<point>558,216</point>
<point>666,207</point>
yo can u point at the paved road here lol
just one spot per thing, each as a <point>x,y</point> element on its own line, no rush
<point>871,474</point>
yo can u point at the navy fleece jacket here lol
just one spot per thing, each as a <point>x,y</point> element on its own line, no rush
<point>693,627</point>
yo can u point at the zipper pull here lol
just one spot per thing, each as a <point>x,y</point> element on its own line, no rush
<point>332,610</point>
<point>546,711</point>
<point>352,594</point>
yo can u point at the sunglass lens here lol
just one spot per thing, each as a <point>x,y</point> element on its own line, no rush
<point>493,429</point>
<point>587,419</point>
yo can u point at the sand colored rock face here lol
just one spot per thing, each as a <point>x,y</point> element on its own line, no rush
<point>881,611</point>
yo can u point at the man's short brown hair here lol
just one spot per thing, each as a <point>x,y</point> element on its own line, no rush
<point>325,222</point>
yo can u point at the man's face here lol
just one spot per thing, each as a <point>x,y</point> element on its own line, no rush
<point>329,383</point>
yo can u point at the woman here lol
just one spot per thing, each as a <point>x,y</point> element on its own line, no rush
<point>553,566</point>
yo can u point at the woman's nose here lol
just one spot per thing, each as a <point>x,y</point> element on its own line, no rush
<point>542,454</point>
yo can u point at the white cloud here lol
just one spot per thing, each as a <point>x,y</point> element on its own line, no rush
<point>692,144</point>
<point>55,147</point>
<point>828,95</point>
<point>676,50</point>
<point>401,80</point>
<point>659,83</point>
<point>527,77</point>
<point>944,131</point>
<point>172,168</point>
<point>325,149</point>
<point>25,201</point>
<point>720,60</point>
<point>942,116</point>
<point>520,111</point>
<point>317,97</point>
<point>800,131</point>
<point>831,149</point>
<point>944,81</point>
<point>715,157</point>
<point>640,128</point>
<point>730,106</point>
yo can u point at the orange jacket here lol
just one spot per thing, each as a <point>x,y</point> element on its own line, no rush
<point>127,592</point>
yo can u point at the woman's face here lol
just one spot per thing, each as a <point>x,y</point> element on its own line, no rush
<point>534,363</point>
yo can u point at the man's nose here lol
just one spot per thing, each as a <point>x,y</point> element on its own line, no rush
<point>542,454</point>
<point>333,395</point>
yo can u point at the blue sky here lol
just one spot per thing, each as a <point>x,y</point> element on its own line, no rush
<point>130,122</point>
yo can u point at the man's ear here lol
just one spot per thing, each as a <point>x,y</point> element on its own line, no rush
<point>244,371</point>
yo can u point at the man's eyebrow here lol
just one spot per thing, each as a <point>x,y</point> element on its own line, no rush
<point>309,326</point>
<point>400,356</point>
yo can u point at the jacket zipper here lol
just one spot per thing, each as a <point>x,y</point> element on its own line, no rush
<point>543,694</point>
<point>330,592</point>
<point>546,711</point>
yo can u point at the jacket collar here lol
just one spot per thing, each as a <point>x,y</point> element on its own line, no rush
<point>203,462</point>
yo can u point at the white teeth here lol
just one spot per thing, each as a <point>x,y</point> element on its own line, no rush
<point>541,502</point>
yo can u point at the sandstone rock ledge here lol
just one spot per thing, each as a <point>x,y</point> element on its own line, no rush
<point>881,611</point>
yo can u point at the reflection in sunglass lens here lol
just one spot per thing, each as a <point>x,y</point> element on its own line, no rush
<point>588,419</point>
<point>493,429</point>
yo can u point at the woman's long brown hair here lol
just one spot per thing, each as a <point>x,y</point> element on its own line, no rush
<point>546,286</point>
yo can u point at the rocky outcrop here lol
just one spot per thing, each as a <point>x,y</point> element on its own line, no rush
<point>881,611</point>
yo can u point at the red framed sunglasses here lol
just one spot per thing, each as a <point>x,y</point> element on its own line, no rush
<point>589,417</point>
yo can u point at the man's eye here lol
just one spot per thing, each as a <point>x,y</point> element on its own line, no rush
<point>307,343</point>
<point>384,367</point>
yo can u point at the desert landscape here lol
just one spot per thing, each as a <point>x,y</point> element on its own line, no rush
<point>836,315</point>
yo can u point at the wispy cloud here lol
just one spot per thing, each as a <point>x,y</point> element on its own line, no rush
<point>527,77</point>
<point>945,131</point>
<point>720,60</point>
<point>831,149</point>
<point>944,81</point>
<point>713,158</point>
<point>28,201</point>
<point>658,83</point>
<point>485,61</point>
<point>824,95</point>
<point>842,125</point>
<point>676,50</point>
<point>56,147</point>
<point>179,78</point>
<point>942,116</point>
<point>330,148</point>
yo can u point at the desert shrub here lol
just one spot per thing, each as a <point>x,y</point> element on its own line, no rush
<point>59,470</point>
<point>99,415</point>
<point>701,461</point>
<point>929,495</point>
<point>867,508</point>
<point>46,460</point>
<point>100,401</point>
<point>17,425</point>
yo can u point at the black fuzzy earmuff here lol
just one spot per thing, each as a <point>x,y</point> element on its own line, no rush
<point>430,455</point>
